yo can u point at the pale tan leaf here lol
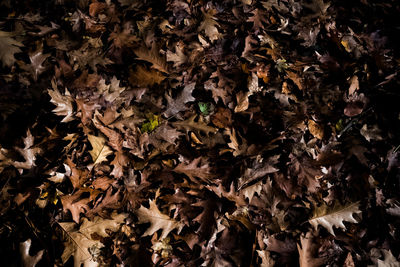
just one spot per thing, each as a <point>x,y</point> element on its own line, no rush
<point>63,103</point>
<point>100,150</point>
<point>80,243</point>
<point>330,217</point>
<point>249,191</point>
<point>29,153</point>
<point>178,57</point>
<point>157,220</point>
<point>209,25</point>
<point>389,260</point>
<point>354,85</point>
<point>266,259</point>
<point>242,99</point>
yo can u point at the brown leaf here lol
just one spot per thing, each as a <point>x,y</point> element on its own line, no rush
<point>78,177</point>
<point>209,25</point>
<point>8,47</point>
<point>354,85</point>
<point>145,78</point>
<point>75,205</point>
<point>96,8</point>
<point>179,104</point>
<point>222,118</point>
<point>316,129</point>
<point>295,78</point>
<point>191,125</point>
<point>307,251</point>
<point>109,201</point>
<point>242,99</point>
<point>206,218</point>
<point>231,195</point>
<point>307,174</point>
<point>198,168</point>
<point>152,56</point>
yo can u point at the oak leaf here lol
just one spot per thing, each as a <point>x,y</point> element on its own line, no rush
<point>152,56</point>
<point>307,251</point>
<point>8,47</point>
<point>28,260</point>
<point>63,103</point>
<point>335,216</point>
<point>179,104</point>
<point>75,204</point>
<point>29,153</point>
<point>197,168</point>
<point>157,220</point>
<point>389,260</point>
<point>191,125</point>
<point>37,58</point>
<point>80,243</point>
<point>178,57</point>
<point>145,78</point>
<point>209,25</point>
<point>100,150</point>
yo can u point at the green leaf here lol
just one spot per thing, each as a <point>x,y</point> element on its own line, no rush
<point>151,124</point>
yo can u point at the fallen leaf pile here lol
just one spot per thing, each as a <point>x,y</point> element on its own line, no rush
<point>199,133</point>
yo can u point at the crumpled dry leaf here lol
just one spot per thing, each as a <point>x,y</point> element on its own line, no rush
<point>242,99</point>
<point>371,133</point>
<point>317,130</point>
<point>389,260</point>
<point>178,57</point>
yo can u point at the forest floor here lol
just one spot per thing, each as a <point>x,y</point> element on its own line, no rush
<point>199,133</point>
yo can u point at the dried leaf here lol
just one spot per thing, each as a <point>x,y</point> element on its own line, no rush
<point>179,104</point>
<point>307,251</point>
<point>157,220</point>
<point>28,260</point>
<point>100,150</point>
<point>8,47</point>
<point>63,103</point>
<point>145,78</point>
<point>197,168</point>
<point>152,56</point>
<point>209,25</point>
<point>335,216</point>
